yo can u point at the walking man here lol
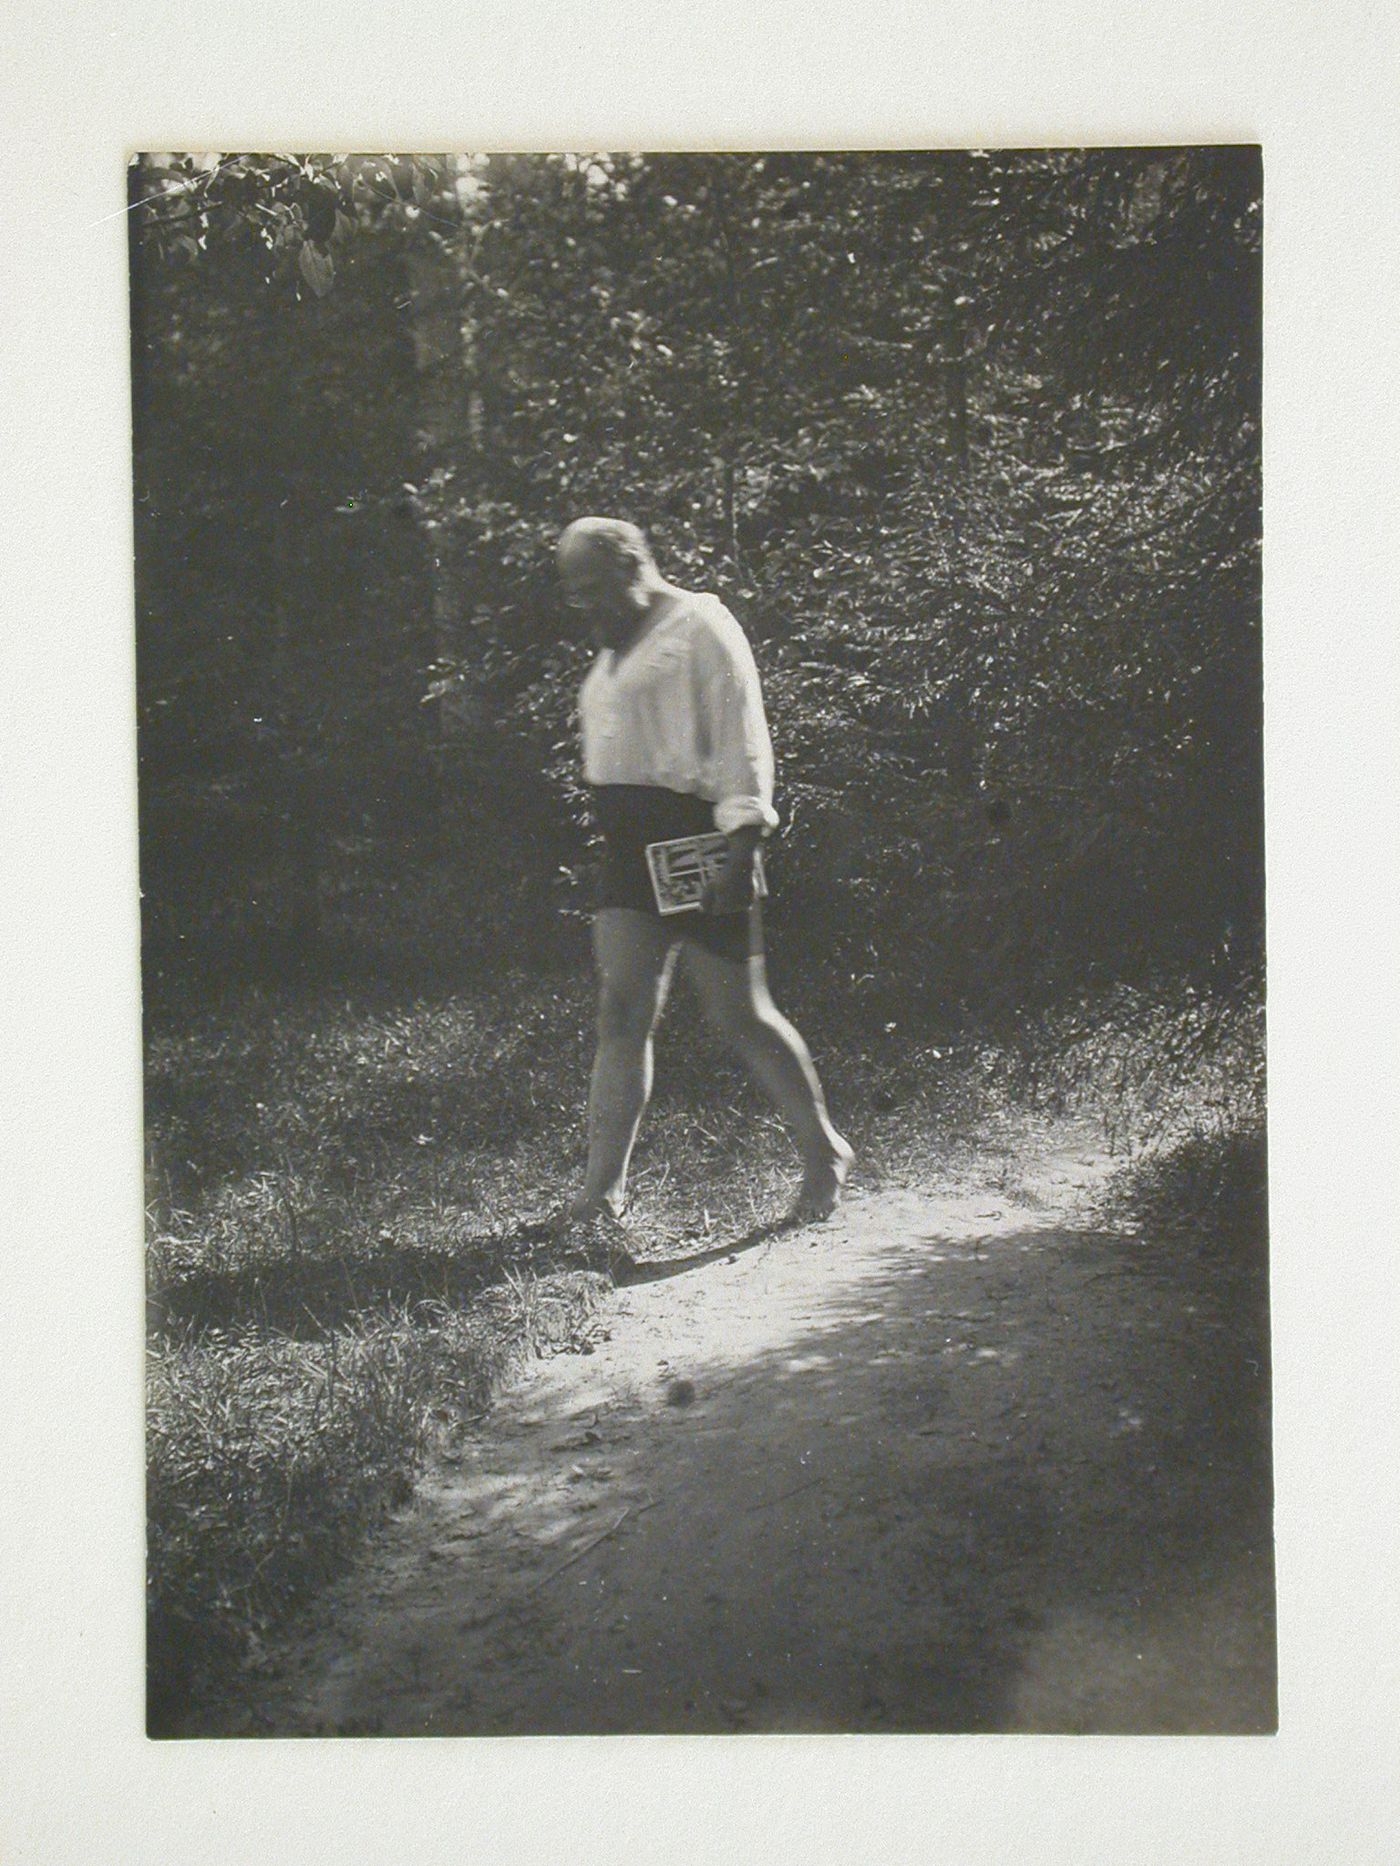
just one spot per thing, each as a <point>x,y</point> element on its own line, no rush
<point>675,743</point>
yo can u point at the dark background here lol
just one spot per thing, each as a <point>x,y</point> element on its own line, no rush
<point>968,441</point>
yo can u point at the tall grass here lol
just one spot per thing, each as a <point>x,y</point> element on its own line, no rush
<point>1152,1068</point>
<point>270,1455</point>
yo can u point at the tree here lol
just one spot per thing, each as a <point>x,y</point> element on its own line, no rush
<point>969,440</point>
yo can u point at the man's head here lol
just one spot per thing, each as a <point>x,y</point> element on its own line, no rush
<point>608,574</point>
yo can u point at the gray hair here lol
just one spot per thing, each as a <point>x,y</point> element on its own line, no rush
<point>614,538</point>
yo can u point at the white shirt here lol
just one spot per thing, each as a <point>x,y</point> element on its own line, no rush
<point>682,710</point>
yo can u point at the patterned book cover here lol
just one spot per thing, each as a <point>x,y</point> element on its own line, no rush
<point>683,869</point>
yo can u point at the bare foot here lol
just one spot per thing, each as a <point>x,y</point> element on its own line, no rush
<point>598,1235</point>
<point>821,1188</point>
<point>590,1212</point>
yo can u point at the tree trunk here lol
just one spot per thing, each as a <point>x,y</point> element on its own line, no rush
<point>448,419</point>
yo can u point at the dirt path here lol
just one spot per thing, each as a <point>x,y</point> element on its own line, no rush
<point>948,1463</point>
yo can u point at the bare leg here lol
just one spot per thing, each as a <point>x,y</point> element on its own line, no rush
<point>634,968</point>
<point>738,1003</point>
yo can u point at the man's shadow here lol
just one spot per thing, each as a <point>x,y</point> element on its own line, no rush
<point>660,1269</point>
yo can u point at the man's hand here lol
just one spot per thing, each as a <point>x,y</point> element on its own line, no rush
<point>733,892</point>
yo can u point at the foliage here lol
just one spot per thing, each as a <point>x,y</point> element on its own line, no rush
<point>1153,1069</point>
<point>1213,1185</point>
<point>279,572</point>
<point>968,440</point>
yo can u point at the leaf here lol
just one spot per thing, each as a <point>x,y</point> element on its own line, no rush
<point>316,267</point>
<point>320,211</point>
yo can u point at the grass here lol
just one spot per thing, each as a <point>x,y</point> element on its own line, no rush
<point>270,1455</point>
<point>1211,1182</point>
<point>343,1266</point>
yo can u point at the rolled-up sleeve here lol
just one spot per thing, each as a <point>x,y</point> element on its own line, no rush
<point>731,727</point>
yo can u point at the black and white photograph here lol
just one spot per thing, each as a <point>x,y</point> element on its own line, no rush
<point>703,942</point>
<point>700,803</point>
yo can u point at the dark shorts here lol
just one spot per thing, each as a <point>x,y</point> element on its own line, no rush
<point>632,815</point>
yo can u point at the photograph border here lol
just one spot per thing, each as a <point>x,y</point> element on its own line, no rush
<point>90,88</point>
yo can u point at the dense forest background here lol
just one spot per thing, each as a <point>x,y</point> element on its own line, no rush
<point>968,441</point>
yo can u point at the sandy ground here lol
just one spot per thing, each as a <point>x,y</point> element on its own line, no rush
<point>948,1463</point>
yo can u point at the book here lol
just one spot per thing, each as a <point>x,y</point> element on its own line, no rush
<point>681,870</point>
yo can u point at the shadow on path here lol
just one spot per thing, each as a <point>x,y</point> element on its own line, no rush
<point>662,1269</point>
<point>895,1476</point>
